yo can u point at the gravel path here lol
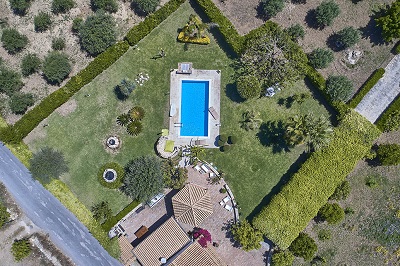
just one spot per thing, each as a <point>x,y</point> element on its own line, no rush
<point>383,93</point>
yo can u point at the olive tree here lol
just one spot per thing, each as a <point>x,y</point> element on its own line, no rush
<point>107,5</point>
<point>56,67</point>
<point>326,12</point>
<point>145,7</point>
<point>10,81</point>
<point>20,7</point>
<point>42,21</point>
<point>30,64</point>
<point>61,6</point>
<point>269,8</point>
<point>13,41</point>
<point>348,36</point>
<point>296,31</point>
<point>320,58</point>
<point>19,102</point>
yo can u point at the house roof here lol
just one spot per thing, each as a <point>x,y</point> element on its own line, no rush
<point>192,205</point>
<point>127,257</point>
<point>196,255</point>
<point>164,242</point>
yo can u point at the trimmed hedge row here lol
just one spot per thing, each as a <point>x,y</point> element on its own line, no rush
<point>394,106</point>
<point>308,190</point>
<point>372,80</point>
<point>152,21</point>
<point>32,118</point>
<point>107,225</point>
<point>397,48</point>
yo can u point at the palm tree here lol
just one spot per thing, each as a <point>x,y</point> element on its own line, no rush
<point>134,128</point>
<point>251,120</point>
<point>319,133</point>
<point>136,113</point>
<point>296,130</point>
<point>123,119</point>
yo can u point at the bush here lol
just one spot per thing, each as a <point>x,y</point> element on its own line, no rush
<point>339,88</point>
<point>347,37</point>
<point>47,164</point>
<point>174,176</point>
<point>13,41</point>
<point>342,191</point>
<point>4,215</point>
<point>20,7</point>
<point>220,143</point>
<point>19,102</point>
<point>304,246</point>
<point>316,180</point>
<point>120,175</point>
<point>30,64</point>
<point>97,33</point>
<point>101,211</point>
<point>324,234</point>
<point>397,48</point>
<point>389,116</point>
<point>76,24</point>
<point>223,138</point>
<point>269,8</point>
<point>372,181</point>
<point>326,12</point>
<point>392,122</point>
<point>42,21</point>
<point>58,44</point>
<point>222,190</point>
<point>134,128</point>
<point>372,80</point>
<point>107,5</point>
<point>61,6</point>
<point>332,213</point>
<point>248,237</point>
<point>226,148</point>
<point>110,222</point>
<point>145,7</point>
<point>296,31</point>
<point>348,210</point>
<point>232,139</point>
<point>320,58</point>
<point>56,67</point>
<point>388,154</point>
<point>282,258</point>
<point>21,249</point>
<point>248,87</point>
<point>10,81</point>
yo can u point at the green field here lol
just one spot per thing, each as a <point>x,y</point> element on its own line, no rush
<point>252,167</point>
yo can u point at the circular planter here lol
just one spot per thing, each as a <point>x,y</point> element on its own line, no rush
<point>110,175</point>
<point>113,142</point>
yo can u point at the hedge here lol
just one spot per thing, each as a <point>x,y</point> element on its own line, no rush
<point>372,80</point>
<point>394,106</point>
<point>203,40</point>
<point>32,118</point>
<point>152,21</point>
<point>308,190</point>
<point>107,225</point>
<point>397,48</point>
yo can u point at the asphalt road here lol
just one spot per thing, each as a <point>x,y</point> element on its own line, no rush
<point>64,229</point>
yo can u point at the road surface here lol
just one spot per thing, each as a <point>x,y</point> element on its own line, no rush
<point>64,229</point>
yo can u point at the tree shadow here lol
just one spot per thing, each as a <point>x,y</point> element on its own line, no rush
<point>227,227</point>
<point>287,102</point>
<point>260,12</point>
<point>277,188</point>
<point>119,95</point>
<point>333,44</point>
<point>372,31</point>
<point>299,2</point>
<point>311,21</point>
<point>271,135</point>
<point>232,93</point>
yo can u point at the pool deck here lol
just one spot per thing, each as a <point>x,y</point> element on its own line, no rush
<point>214,77</point>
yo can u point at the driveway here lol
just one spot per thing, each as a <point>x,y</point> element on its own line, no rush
<point>64,229</point>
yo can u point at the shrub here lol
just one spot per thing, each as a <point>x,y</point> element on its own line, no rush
<point>390,113</point>
<point>42,21</point>
<point>120,175</point>
<point>134,128</point>
<point>397,48</point>
<point>371,181</point>
<point>388,154</point>
<point>332,213</point>
<point>4,215</point>
<point>342,191</point>
<point>61,6</point>
<point>392,122</point>
<point>339,88</point>
<point>282,258</point>
<point>222,190</point>
<point>47,164</point>
<point>220,143</point>
<point>226,148</point>
<point>326,12</point>
<point>269,8</point>
<point>19,102</point>
<point>248,237</point>
<point>107,5</point>
<point>372,80</point>
<point>76,24</point>
<point>304,246</point>
<point>10,81</point>
<point>320,58</point>
<point>348,36</point>
<point>30,64</point>
<point>232,139</point>
<point>125,88</point>
<point>110,222</point>
<point>13,41</point>
<point>174,176</point>
<point>248,87</point>
<point>56,67</point>
<point>20,7</point>
<point>324,234</point>
<point>316,180</point>
<point>136,113</point>
<point>58,44</point>
<point>223,138</point>
<point>348,210</point>
<point>21,249</point>
<point>101,211</point>
<point>97,33</point>
<point>145,7</point>
<point>296,31</point>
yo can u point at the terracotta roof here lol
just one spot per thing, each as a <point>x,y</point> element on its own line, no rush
<point>192,205</point>
<point>195,255</point>
<point>164,242</point>
<point>127,257</point>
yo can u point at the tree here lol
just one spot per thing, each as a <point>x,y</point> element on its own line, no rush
<point>282,258</point>
<point>134,128</point>
<point>320,58</point>
<point>248,237</point>
<point>107,5</point>
<point>332,213</point>
<point>197,152</point>
<point>388,154</point>
<point>20,7</point>
<point>58,43</point>
<point>296,32</point>
<point>101,211</point>
<point>56,67</point>
<point>47,164</point>
<point>124,119</point>
<point>4,215</point>
<point>125,88</point>
<point>348,36</point>
<point>13,41</point>
<point>339,88</point>
<point>250,120</point>
<point>143,178</point>
<point>97,33</point>
<point>342,191</point>
<point>248,87</point>
<point>144,7</point>
<point>303,246</point>
<point>326,12</point>
<point>61,6</point>
<point>42,21</point>
<point>272,57</point>
<point>10,81</point>
<point>19,102</point>
<point>390,22</point>
<point>76,24</point>
<point>30,64</point>
<point>269,8</point>
<point>21,249</point>
<point>174,176</point>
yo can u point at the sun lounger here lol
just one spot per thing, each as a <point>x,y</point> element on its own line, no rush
<point>228,207</point>
<point>205,169</point>
<point>213,113</point>
<point>197,168</point>
<point>226,199</point>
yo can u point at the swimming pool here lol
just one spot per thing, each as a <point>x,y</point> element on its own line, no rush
<point>194,108</point>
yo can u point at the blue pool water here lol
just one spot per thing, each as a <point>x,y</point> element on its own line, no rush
<point>194,108</point>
